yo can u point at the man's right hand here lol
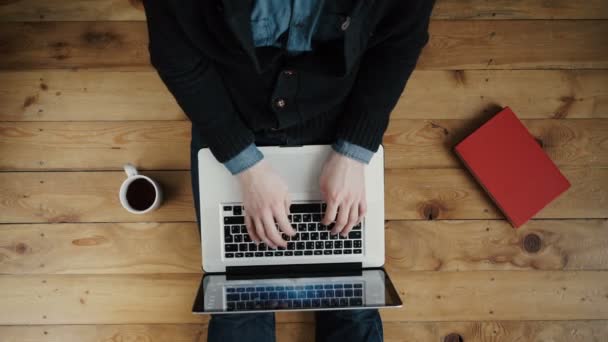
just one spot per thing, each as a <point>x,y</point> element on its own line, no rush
<point>266,200</point>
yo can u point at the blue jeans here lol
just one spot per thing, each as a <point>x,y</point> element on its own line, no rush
<point>344,325</point>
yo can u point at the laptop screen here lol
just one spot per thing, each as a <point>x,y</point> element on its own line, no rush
<point>370,289</point>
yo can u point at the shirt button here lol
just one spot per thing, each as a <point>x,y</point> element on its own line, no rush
<point>280,103</point>
<point>345,24</point>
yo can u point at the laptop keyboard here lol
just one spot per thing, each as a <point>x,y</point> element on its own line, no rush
<point>312,237</point>
<point>309,296</point>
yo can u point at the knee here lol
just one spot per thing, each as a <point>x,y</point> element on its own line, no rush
<point>350,315</point>
<point>240,319</point>
<point>362,315</point>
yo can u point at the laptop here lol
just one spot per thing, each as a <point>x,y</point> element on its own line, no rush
<point>317,271</point>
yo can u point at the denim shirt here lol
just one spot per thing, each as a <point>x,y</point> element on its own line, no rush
<point>297,20</point>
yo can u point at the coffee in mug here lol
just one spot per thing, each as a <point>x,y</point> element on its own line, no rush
<point>139,194</point>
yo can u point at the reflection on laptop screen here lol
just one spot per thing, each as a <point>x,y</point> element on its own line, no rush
<point>308,295</point>
<point>369,289</point>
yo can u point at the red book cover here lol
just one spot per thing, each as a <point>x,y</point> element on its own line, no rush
<point>508,162</point>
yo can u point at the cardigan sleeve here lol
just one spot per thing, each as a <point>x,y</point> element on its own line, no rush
<point>385,68</point>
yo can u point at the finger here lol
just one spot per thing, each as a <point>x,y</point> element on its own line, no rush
<point>251,229</point>
<point>259,229</point>
<point>284,224</point>
<point>353,218</point>
<point>288,205</point>
<point>330,213</point>
<point>342,219</point>
<point>271,230</point>
<point>362,210</point>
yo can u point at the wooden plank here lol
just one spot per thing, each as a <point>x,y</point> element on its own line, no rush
<point>87,197</point>
<point>75,10</point>
<point>428,296</point>
<point>549,44</point>
<point>91,10</point>
<point>79,95</point>
<point>429,143</point>
<point>83,95</point>
<point>532,94</point>
<point>74,45</point>
<point>514,9</point>
<point>107,248</point>
<point>495,245</point>
<point>557,331</point>
<point>165,145</point>
<point>156,145</point>
<point>567,44</point>
<point>30,197</point>
<point>453,194</point>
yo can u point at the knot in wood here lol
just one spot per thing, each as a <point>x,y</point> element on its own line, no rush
<point>453,337</point>
<point>532,243</point>
<point>430,211</point>
<point>20,248</point>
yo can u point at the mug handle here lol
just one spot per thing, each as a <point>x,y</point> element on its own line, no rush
<point>130,170</point>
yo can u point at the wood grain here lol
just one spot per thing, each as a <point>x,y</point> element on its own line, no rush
<point>548,44</point>
<point>74,45</point>
<point>156,145</point>
<point>100,248</point>
<point>30,197</point>
<point>430,143</point>
<point>129,248</point>
<point>165,145</point>
<point>567,44</point>
<point>454,194</point>
<point>75,10</point>
<point>428,296</point>
<point>557,331</point>
<point>532,94</point>
<point>495,245</point>
<point>102,10</point>
<point>79,95</point>
<point>90,95</point>
<point>514,9</point>
<point>87,197</point>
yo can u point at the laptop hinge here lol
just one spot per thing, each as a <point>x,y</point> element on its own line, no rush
<point>294,271</point>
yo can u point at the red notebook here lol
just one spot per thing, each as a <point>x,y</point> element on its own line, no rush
<point>508,162</point>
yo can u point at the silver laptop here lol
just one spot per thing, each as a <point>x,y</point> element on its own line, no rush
<point>317,271</point>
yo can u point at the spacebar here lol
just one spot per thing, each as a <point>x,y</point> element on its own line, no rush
<point>305,208</point>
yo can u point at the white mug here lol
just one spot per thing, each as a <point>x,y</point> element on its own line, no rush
<point>133,175</point>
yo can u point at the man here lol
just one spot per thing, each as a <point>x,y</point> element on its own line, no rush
<point>288,72</point>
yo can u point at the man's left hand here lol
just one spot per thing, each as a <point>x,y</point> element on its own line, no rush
<point>343,187</point>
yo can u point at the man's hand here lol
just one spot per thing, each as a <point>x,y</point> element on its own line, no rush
<point>265,199</point>
<point>343,188</point>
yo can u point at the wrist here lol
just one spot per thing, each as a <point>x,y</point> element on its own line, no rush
<point>347,160</point>
<point>353,151</point>
<point>251,172</point>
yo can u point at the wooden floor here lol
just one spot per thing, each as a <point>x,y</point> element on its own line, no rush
<point>78,99</point>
